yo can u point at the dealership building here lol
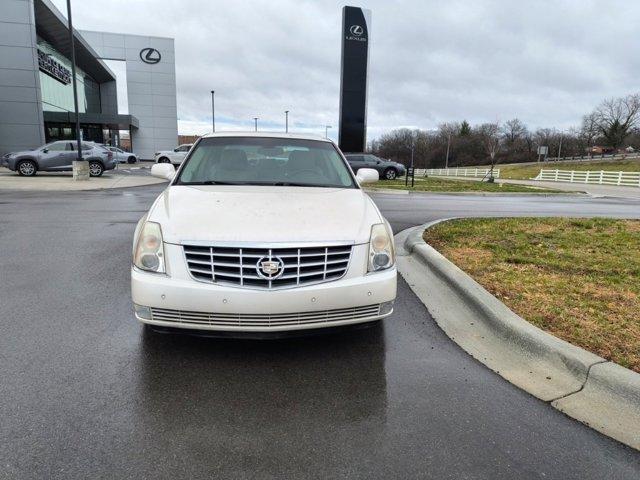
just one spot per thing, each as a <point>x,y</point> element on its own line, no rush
<point>126,83</point>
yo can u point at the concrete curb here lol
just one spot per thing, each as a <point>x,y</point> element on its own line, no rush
<point>579,383</point>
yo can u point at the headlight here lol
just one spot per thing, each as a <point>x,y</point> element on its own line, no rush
<point>381,252</point>
<point>149,252</point>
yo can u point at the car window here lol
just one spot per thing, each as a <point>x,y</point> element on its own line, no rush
<point>355,158</point>
<point>265,161</point>
<point>57,146</point>
<point>87,146</point>
<point>372,158</point>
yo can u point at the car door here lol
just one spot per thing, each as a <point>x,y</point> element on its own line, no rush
<point>117,155</point>
<point>55,156</point>
<point>371,161</point>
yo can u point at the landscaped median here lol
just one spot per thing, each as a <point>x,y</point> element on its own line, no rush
<point>432,184</point>
<point>577,279</point>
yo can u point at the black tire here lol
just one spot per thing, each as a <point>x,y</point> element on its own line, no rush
<point>27,168</point>
<point>131,160</point>
<point>163,160</point>
<point>390,174</point>
<point>95,169</point>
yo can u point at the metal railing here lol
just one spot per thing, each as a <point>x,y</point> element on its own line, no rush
<point>457,172</point>
<point>602,177</point>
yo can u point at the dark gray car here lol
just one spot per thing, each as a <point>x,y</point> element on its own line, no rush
<point>387,169</point>
<point>58,157</point>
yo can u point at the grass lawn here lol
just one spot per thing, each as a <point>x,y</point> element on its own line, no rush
<point>432,184</point>
<point>526,172</point>
<point>577,279</point>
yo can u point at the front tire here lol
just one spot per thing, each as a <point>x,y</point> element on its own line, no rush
<point>390,174</point>
<point>95,169</point>
<point>27,168</point>
<point>131,160</point>
<point>163,160</point>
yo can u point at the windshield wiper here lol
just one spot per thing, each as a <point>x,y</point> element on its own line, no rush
<point>298,184</point>
<point>211,182</point>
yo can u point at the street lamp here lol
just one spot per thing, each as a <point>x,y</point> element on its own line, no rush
<point>255,120</point>
<point>326,131</point>
<point>80,171</point>
<point>286,121</point>
<point>213,110</point>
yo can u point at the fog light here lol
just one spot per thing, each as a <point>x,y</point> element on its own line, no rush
<point>142,311</point>
<point>386,307</point>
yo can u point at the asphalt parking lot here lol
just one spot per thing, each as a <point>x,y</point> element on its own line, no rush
<point>86,393</point>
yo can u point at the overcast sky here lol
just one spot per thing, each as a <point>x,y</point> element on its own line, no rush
<point>546,62</point>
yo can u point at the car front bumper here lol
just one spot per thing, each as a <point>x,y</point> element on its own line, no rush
<point>183,302</point>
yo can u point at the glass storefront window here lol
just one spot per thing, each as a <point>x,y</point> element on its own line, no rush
<point>58,97</point>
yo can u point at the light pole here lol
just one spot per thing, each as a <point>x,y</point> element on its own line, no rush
<point>446,161</point>
<point>255,120</point>
<point>286,121</point>
<point>326,131</point>
<point>80,170</point>
<point>213,110</point>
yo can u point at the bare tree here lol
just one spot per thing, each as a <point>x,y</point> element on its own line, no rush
<point>489,134</point>
<point>513,131</point>
<point>616,117</point>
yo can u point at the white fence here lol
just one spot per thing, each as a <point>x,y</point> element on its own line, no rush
<point>628,179</point>
<point>457,172</point>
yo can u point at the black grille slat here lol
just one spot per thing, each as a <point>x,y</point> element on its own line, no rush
<point>237,266</point>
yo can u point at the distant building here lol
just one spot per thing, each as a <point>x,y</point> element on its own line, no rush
<point>136,72</point>
<point>182,139</point>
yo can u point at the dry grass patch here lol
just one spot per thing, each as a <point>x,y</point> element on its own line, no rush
<point>433,184</point>
<point>579,279</point>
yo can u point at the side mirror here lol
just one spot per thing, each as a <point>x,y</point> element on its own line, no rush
<point>176,149</point>
<point>46,150</point>
<point>367,175</point>
<point>166,171</point>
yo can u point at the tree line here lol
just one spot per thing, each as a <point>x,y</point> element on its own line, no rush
<point>613,125</point>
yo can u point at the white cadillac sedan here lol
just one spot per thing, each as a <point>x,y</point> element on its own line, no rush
<point>262,232</point>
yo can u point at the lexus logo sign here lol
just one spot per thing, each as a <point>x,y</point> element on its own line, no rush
<point>150,55</point>
<point>356,30</point>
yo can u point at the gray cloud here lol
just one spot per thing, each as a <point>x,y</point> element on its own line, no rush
<point>546,62</point>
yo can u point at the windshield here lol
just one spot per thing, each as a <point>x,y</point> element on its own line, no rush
<point>265,161</point>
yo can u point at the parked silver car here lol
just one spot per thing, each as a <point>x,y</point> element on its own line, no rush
<point>58,157</point>
<point>121,156</point>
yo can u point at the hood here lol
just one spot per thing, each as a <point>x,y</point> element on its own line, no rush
<point>20,153</point>
<point>227,213</point>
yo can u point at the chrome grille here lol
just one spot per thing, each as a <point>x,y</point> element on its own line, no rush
<point>239,266</point>
<point>265,320</point>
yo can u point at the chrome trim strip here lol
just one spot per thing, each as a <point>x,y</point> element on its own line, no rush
<point>266,245</point>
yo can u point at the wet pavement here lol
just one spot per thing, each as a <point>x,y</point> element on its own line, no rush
<point>87,393</point>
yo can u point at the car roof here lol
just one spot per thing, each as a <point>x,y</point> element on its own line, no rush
<point>282,135</point>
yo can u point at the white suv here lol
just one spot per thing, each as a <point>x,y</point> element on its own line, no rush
<point>263,233</point>
<point>175,156</point>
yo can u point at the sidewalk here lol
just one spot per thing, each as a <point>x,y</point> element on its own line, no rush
<point>63,181</point>
<point>592,189</point>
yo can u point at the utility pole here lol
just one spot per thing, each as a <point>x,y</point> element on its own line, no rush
<point>326,131</point>
<point>560,146</point>
<point>213,110</point>
<point>80,167</point>
<point>255,120</point>
<point>446,161</point>
<point>286,121</point>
